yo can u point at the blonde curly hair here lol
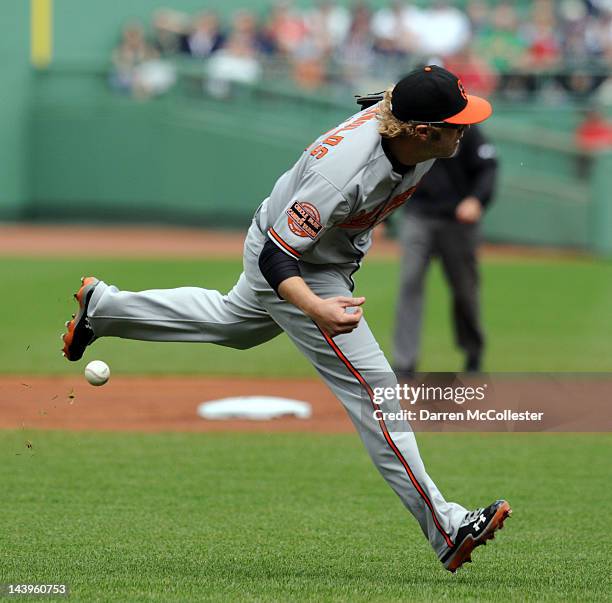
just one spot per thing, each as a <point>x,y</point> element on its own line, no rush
<point>389,126</point>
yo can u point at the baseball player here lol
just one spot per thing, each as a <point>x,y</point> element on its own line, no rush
<point>305,242</point>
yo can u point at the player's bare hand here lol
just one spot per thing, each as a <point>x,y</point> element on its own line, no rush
<point>338,315</point>
<point>469,210</point>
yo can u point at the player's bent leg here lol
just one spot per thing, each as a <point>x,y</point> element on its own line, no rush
<point>188,314</point>
<point>354,366</point>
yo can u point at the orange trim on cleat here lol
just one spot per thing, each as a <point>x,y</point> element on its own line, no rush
<point>464,552</point>
<point>79,321</point>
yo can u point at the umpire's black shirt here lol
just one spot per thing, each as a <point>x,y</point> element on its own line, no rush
<point>470,172</point>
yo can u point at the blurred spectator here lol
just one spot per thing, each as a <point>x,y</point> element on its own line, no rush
<point>206,36</point>
<point>267,36</point>
<point>325,30</point>
<point>541,34</point>
<point>137,68</point>
<point>356,55</point>
<point>328,25</point>
<point>394,29</point>
<point>442,30</point>
<point>479,15</point>
<point>575,21</point>
<point>170,28</point>
<point>286,28</point>
<point>598,37</point>
<point>598,6</point>
<point>237,61</point>
<point>594,133</point>
<point>131,51</point>
<point>501,44</point>
<point>475,73</point>
<point>506,52</point>
<point>245,26</point>
<point>556,49</point>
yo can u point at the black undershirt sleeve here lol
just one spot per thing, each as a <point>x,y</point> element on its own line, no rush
<point>276,266</point>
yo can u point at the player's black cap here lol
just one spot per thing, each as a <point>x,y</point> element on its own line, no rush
<point>433,94</point>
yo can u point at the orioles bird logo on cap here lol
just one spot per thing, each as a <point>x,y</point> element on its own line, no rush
<point>462,89</point>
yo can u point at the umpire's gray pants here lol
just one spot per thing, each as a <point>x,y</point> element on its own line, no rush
<point>352,365</point>
<point>456,245</point>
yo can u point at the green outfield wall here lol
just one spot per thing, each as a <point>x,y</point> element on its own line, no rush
<point>188,159</point>
<point>14,95</point>
<point>72,149</point>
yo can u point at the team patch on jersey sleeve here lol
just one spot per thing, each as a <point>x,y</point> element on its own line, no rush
<point>304,220</point>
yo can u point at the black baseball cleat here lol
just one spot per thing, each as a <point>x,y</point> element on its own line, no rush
<point>476,528</point>
<point>80,333</point>
<point>472,363</point>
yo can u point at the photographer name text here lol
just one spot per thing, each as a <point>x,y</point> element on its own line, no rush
<point>458,416</point>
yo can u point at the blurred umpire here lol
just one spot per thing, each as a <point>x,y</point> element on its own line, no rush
<point>442,219</point>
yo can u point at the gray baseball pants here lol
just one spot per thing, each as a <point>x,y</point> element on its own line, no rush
<point>456,244</point>
<point>352,365</point>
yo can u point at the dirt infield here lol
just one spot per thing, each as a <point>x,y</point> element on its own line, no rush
<point>154,404</point>
<point>27,240</point>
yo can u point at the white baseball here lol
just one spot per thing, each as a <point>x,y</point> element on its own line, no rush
<point>97,372</point>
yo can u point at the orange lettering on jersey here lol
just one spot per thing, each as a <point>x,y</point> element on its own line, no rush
<point>360,220</point>
<point>362,119</point>
<point>368,219</point>
<point>395,203</point>
<point>333,140</point>
<point>319,152</point>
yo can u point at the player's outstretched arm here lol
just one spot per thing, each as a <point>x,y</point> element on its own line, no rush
<point>331,314</point>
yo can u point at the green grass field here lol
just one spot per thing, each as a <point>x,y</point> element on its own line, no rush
<point>296,517</point>
<point>540,315</point>
<point>234,517</point>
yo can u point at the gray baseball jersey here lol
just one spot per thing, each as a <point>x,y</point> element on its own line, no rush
<point>323,209</point>
<point>322,212</point>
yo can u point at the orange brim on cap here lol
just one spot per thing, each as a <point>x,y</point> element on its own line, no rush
<point>477,110</point>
